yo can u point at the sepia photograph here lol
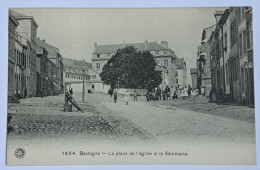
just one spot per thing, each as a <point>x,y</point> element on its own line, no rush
<point>131,86</point>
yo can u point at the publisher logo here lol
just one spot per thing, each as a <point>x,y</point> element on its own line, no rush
<point>19,153</point>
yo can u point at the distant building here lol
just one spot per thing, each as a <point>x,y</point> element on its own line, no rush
<point>163,55</point>
<point>193,73</point>
<point>181,72</point>
<point>73,73</point>
<point>203,62</point>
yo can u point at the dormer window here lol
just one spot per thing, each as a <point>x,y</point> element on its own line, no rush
<point>98,55</point>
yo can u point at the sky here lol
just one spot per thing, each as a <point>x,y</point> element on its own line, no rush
<point>74,31</point>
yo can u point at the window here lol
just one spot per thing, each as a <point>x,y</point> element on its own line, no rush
<point>242,73</point>
<point>165,52</point>
<point>244,42</point>
<point>157,52</point>
<point>240,45</point>
<point>98,55</point>
<point>250,37</point>
<point>97,66</point>
<point>225,41</point>
<point>166,63</point>
<point>93,76</point>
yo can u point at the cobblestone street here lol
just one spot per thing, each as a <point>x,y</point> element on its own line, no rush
<point>42,122</point>
<point>136,121</point>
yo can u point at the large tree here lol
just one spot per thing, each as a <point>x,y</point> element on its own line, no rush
<point>135,69</point>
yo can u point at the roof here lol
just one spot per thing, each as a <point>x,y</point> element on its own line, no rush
<point>76,66</point>
<point>75,63</point>
<point>207,32</point>
<point>52,51</point>
<point>13,19</point>
<point>180,63</point>
<point>151,46</point>
<point>18,16</point>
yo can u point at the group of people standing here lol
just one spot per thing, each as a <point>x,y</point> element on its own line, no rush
<point>185,92</point>
<point>126,99</point>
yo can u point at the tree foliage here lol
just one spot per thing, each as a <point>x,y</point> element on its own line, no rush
<point>135,69</point>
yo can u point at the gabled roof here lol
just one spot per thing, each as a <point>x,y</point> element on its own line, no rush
<point>19,16</point>
<point>76,63</point>
<point>207,32</point>
<point>151,46</point>
<point>52,51</point>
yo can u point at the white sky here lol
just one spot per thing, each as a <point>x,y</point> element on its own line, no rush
<point>74,31</point>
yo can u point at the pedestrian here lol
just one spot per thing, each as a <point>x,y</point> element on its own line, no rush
<point>147,96</point>
<point>127,97</point>
<point>115,96</point>
<point>189,91</point>
<point>175,95</point>
<point>185,92</point>
<point>41,92</point>
<point>159,92</point>
<point>25,92</point>
<point>71,91</point>
<point>135,95</point>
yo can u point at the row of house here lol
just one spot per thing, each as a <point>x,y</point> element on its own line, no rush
<point>225,57</point>
<point>34,67</point>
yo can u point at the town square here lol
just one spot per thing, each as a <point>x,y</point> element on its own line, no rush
<point>112,86</point>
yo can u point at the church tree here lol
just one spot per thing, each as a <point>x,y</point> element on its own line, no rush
<point>133,69</point>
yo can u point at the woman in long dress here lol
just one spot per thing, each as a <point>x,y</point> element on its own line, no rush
<point>127,97</point>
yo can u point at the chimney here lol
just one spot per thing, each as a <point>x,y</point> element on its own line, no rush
<point>164,44</point>
<point>123,44</point>
<point>218,15</point>
<point>95,47</point>
<point>145,45</point>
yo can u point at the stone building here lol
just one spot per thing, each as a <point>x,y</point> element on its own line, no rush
<point>249,65</point>
<point>55,57</point>
<point>181,72</point>
<point>193,73</point>
<point>27,28</point>
<point>231,55</point>
<point>12,25</point>
<point>164,56</point>
<point>203,62</point>
<point>20,65</point>
<point>73,74</point>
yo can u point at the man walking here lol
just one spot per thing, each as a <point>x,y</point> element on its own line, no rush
<point>135,96</point>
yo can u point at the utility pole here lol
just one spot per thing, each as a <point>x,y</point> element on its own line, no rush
<point>83,90</point>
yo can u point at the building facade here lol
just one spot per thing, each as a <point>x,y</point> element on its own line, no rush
<point>12,25</point>
<point>181,72</point>
<point>232,56</point>
<point>193,73</point>
<point>73,74</point>
<point>56,58</point>
<point>163,55</point>
<point>27,28</point>
<point>203,62</point>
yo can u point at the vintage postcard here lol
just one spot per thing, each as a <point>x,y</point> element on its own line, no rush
<point>157,86</point>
